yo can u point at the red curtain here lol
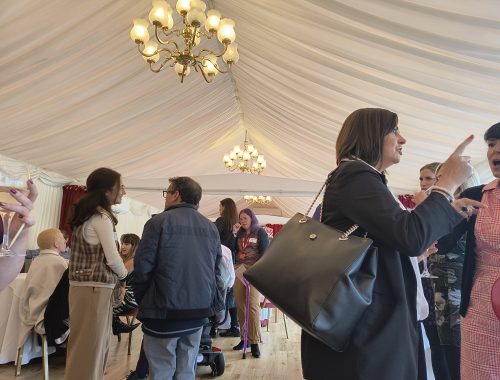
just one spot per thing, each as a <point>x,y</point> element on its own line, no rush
<point>71,195</point>
<point>275,228</point>
<point>407,201</point>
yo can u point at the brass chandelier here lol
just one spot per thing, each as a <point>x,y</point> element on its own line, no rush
<point>176,47</point>
<point>246,159</point>
<point>258,199</point>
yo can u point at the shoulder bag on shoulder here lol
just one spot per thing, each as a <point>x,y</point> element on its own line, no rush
<point>320,277</point>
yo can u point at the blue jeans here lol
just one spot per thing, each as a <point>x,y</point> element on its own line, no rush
<point>172,358</point>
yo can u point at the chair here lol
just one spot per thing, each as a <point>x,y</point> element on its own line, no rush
<point>130,317</point>
<point>266,304</point>
<point>45,357</point>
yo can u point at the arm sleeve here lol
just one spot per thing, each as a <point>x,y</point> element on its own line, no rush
<point>448,242</point>
<point>218,274</point>
<point>365,200</point>
<point>145,258</point>
<point>263,241</point>
<point>103,227</point>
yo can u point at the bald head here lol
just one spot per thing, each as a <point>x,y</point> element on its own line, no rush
<point>51,239</point>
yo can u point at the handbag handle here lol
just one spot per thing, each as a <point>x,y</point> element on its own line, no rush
<point>345,235</point>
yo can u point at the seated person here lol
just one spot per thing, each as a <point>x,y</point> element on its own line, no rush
<point>129,243</point>
<point>42,279</point>
<point>67,253</point>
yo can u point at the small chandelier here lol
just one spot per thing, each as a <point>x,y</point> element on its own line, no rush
<point>180,54</point>
<point>246,159</point>
<point>258,199</point>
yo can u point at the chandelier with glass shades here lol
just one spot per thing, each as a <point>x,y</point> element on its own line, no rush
<point>181,48</point>
<point>258,199</point>
<point>246,159</point>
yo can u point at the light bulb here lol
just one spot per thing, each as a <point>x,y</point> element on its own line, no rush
<point>226,34</point>
<point>231,55</point>
<point>139,33</point>
<point>213,21</point>
<point>150,49</point>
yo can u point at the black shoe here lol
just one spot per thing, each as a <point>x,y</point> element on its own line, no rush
<point>239,346</point>
<point>232,332</point>
<point>213,331</point>
<point>255,350</point>
<point>122,328</point>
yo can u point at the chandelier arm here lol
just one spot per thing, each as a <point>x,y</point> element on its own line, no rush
<point>193,38</point>
<point>202,33</point>
<point>153,54</point>
<point>204,75</point>
<point>160,68</point>
<point>165,42</point>
<point>200,53</point>
<point>221,71</point>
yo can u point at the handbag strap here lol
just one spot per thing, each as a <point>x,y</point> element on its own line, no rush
<point>348,232</point>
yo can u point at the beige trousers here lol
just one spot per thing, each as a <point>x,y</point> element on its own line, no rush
<point>90,314</point>
<point>240,295</point>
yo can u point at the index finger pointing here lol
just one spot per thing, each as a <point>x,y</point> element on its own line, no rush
<point>461,147</point>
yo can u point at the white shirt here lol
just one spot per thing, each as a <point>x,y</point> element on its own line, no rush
<point>422,305</point>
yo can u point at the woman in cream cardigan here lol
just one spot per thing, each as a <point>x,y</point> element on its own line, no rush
<point>95,267</point>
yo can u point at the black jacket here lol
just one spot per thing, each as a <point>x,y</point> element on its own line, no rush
<point>447,243</point>
<point>385,346</point>
<point>226,236</point>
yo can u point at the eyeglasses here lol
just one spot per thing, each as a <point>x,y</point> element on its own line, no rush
<point>165,192</point>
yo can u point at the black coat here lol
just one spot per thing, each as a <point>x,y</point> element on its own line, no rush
<point>385,346</point>
<point>449,242</point>
<point>227,237</point>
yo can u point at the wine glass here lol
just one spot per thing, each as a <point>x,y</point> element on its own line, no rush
<point>425,272</point>
<point>7,182</point>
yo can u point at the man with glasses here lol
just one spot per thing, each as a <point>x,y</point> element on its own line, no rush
<point>176,265</point>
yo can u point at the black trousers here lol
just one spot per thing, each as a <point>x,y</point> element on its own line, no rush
<point>438,354</point>
<point>56,315</point>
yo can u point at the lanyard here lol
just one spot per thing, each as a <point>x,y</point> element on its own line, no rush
<point>244,242</point>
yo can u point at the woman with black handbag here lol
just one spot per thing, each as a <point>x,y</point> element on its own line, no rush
<point>385,343</point>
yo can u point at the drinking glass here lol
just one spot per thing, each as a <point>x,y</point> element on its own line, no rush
<point>7,182</point>
<point>425,272</point>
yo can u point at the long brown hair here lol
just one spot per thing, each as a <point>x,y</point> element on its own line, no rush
<point>229,213</point>
<point>362,134</point>
<point>99,182</point>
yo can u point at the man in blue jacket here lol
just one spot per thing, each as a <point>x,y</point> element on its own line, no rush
<point>176,265</point>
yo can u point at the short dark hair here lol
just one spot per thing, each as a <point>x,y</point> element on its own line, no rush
<point>131,239</point>
<point>492,132</point>
<point>134,241</point>
<point>188,188</point>
<point>362,134</point>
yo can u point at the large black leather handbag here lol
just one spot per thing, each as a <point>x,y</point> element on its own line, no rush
<point>320,277</point>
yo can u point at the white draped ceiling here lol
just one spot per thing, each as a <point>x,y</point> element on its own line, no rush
<point>75,95</point>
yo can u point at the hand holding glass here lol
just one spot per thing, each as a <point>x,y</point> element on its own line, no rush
<point>14,201</point>
<point>426,274</point>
